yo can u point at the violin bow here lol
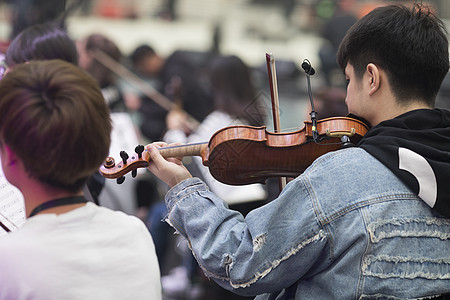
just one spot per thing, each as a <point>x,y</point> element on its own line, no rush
<point>138,83</point>
<point>4,227</point>
<point>270,60</point>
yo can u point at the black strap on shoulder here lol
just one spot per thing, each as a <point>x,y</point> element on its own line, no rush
<point>58,202</point>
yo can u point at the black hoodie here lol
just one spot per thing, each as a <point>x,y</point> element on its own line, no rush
<point>416,147</point>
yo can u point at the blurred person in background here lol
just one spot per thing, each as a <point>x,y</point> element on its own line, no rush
<point>106,78</point>
<point>236,102</point>
<point>333,31</point>
<point>126,134</point>
<point>178,78</point>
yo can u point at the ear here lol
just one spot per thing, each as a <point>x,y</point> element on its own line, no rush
<point>12,167</point>
<point>9,158</point>
<point>373,73</point>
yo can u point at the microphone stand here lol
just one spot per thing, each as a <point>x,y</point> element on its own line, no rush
<point>309,70</point>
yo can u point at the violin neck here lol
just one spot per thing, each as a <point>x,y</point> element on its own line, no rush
<point>194,149</point>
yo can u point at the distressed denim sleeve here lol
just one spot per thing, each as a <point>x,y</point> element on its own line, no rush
<point>265,252</point>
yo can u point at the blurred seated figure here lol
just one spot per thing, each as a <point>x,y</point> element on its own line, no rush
<point>111,89</point>
<point>179,78</point>
<point>41,42</point>
<point>26,13</point>
<point>125,135</point>
<point>236,102</point>
<point>329,102</point>
<point>333,32</point>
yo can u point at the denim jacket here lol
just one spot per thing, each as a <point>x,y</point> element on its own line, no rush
<point>346,228</point>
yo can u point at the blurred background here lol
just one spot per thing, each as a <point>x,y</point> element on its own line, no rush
<point>182,37</point>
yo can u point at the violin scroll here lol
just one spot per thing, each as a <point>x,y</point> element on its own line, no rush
<point>139,159</point>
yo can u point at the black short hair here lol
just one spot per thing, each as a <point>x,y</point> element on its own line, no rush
<point>408,42</point>
<point>41,42</point>
<point>141,52</point>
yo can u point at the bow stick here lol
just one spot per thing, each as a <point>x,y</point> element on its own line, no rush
<point>270,60</point>
<point>139,83</point>
<point>4,227</point>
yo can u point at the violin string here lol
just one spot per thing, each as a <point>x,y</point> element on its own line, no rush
<point>317,141</point>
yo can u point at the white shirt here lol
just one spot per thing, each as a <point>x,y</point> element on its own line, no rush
<point>89,253</point>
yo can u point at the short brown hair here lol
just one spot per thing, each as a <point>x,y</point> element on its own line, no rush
<point>55,119</point>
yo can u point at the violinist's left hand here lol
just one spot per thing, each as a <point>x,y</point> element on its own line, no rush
<point>170,170</point>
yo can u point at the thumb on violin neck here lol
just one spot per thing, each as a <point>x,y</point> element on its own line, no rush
<point>154,154</point>
<point>171,170</point>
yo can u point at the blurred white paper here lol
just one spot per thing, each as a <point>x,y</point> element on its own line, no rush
<point>12,206</point>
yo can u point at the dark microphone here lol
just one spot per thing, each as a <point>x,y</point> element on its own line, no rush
<point>306,65</point>
<point>309,70</point>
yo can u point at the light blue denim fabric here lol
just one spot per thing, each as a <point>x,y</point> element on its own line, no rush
<point>347,228</point>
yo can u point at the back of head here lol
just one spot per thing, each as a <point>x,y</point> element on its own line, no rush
<point>230,73</point>
<point>141,52</point>
<point>56,121</point>
<point>146,61</point>
<point>234,90</point>
<point>99,42</point>
<point>408,42</point>
<point>41,42</point>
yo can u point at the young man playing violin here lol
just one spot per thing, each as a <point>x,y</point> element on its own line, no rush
<point>55,132</point>
<point>365,222</point>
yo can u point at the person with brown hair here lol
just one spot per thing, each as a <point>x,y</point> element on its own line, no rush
<point>55,132</point>
<point>106,78</point>
<point>43,42</point>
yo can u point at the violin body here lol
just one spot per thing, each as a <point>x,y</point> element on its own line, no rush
<point>243,155</point>
<point>240,155</point>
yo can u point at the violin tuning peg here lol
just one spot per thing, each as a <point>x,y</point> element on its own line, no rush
<point>134,173</point>
<point>109,162</point>
<point>139,149</point>
<point>124,157</point>
<point>120,180</point>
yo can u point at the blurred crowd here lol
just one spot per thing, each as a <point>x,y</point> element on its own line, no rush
<point>182,97</point>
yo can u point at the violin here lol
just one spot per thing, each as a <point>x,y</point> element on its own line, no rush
<point>240,155</point>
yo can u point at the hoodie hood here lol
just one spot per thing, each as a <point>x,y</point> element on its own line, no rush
<point>415,146</point>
